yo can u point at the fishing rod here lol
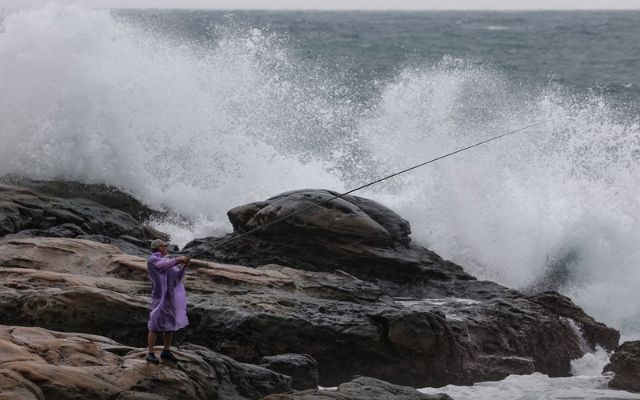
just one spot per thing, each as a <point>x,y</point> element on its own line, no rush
<point>370,184</point>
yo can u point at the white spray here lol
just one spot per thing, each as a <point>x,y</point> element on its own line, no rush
<point>200,129</point>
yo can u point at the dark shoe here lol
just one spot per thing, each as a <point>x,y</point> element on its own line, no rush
<point>167,355</point>
<point>151,357</point>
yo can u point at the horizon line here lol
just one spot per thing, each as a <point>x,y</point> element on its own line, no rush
<point>374,9</point>
<point>339,9</point>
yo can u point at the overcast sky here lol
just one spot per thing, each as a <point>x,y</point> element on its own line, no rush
<point>349,4</point>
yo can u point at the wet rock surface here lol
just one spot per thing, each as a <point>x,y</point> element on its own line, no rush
<point>343,284</point>
<point>107,196</point>
<point>302,368</point>
<point>25,213</point>
<point>352,234</point>
<point>493,329</point>
<point>361,389</point>
<point>625,365</point>
<point>350,326</point>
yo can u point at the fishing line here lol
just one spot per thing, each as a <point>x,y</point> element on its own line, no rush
<point>371,184</point>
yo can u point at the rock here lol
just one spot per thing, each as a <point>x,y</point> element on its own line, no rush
<point>350,326</point>
<point>363,388</point>
<point>502,336</point>
<point>128,395</point>
<point>497,331</point>
<point>63,284</point>
<point>26,210</point>
<point>343,284</point>
<point>625,365</point>
<point>351,217</point>
<point>250,381</point>
<point>302,368</point>
<point>108,196</point>
<point>14,387</point>
<point>25,214</point>
<point>337,319</point>
<point>244,312</point>
<point>73,256</point>
<point>39,363</point>
<point>593,331</point>
<point>352,234</point>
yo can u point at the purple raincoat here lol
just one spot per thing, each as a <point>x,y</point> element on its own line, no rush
<point>168,296</point>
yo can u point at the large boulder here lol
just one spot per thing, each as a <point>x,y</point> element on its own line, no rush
<point>352,234</point>
<point>625,365</point>
<point>320,213</point>
<point>37,363</point>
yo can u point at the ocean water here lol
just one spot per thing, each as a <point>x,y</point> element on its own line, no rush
<point>200,111</point>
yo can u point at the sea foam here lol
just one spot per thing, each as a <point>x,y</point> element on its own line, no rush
<point>555,206</point>
<point>198,128</point>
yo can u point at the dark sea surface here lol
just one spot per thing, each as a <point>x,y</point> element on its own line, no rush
<point>582,50</point>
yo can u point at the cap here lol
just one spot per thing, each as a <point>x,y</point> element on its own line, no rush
<point>157,243</point>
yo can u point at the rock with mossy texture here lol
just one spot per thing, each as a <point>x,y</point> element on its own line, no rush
<point>625,365</point>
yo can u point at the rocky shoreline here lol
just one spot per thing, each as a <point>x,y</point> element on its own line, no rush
<point>333,294</point>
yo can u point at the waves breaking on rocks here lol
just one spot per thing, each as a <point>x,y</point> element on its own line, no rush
<point>199,128</point>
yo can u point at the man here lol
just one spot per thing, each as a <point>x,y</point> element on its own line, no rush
<point>168,298</point>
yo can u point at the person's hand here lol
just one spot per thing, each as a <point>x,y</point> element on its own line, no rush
<point>182,259</point>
